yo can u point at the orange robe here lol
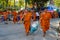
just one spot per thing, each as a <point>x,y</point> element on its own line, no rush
<point>45,21</point>
<point>27,19</point>
<point>14,16</point>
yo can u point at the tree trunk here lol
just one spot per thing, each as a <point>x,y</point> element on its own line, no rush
<point>14,3</point>
<point>25,4</point>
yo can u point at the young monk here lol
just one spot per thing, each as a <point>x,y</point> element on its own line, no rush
<point>1,12</point>
<point>55,14</point>
<point>5,14</point>
<point>0,15</point>
<point>34,15</point>
<point>21,16</point>
<point>14,13</point>
<point>8,11</point>
<point>45,21</point>
<point>27,21</point>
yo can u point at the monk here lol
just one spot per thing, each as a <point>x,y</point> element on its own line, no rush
<point>5,14</point>
<point>1,12</point>
<point>27,21</point>
<point>9,14</point>
<point>55,14</point>
<point>14,13</point>
<point>45,21</point>
<point>21,16</point>
<point>34,15</point>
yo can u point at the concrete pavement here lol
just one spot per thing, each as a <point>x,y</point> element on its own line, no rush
<point>17,32</point>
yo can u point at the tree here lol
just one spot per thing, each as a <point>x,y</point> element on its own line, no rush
<point>21,3</point>
<point>26,2</point>
<point>6,3</point>
<point>57,3</point>
<point>39,2</point>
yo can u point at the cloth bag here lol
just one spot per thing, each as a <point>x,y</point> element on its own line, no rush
<point>34,27</point>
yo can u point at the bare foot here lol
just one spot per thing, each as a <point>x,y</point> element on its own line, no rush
<point>44,34</point>
<point>27,34</point>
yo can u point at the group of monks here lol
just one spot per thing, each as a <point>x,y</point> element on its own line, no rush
<point>24,15</point>
<point>13,13</point>
<point>27,16</point>
<point>44,20</point>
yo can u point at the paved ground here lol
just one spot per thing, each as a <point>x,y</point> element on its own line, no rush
<point>16,32</point>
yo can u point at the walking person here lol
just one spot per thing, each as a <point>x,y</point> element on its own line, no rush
<point>14,13</point>
<point>45,17</point>
<point>27,21</point>
<point>5,14</point>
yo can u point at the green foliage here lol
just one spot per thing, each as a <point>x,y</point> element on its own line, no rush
<point>40,3</point>
<point>21,3</point>
<point>57,3</point>
<point>4,3</point>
